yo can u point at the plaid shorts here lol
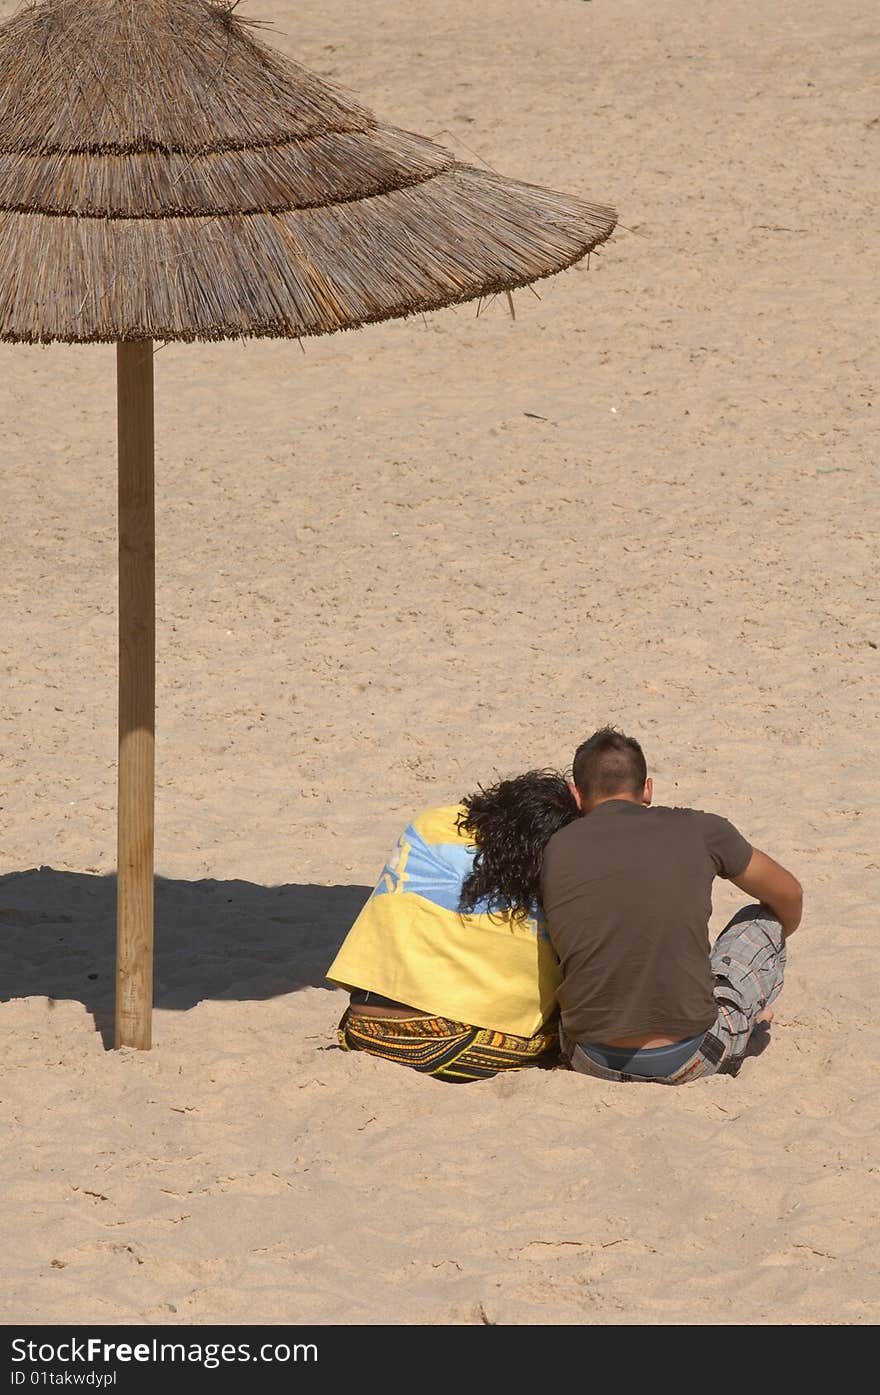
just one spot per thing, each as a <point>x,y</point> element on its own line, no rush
<point>748,961</point>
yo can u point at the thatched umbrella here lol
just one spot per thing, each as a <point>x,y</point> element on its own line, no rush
<point>165,176</point>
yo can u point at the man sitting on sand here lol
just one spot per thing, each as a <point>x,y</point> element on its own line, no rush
<point>627,895</point>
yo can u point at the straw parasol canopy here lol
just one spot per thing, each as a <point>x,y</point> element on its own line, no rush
<point>164,175</point>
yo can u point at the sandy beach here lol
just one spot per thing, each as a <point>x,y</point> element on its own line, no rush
<point>410,560</point>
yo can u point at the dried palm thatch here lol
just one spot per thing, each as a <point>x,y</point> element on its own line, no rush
<point>163,175</point>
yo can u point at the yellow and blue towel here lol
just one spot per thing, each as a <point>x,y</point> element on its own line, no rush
<point>410,942</point>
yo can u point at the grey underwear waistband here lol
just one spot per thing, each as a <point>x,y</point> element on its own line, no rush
<point>647,1061</point>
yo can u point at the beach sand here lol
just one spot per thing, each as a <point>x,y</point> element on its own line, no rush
<point>416,558</point>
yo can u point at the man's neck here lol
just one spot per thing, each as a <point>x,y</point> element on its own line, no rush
<point>608,798</point>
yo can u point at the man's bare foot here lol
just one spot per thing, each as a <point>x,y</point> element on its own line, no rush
<point>765,1015</point>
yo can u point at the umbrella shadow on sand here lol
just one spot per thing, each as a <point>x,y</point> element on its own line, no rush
<point>214,939</point>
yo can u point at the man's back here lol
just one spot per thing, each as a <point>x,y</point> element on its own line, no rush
<point>627,894</point>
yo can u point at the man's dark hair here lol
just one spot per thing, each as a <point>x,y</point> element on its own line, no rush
<point>510,825</point>
<point>609,763</point>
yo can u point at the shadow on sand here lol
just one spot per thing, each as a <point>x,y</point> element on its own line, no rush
<point>233,940</point>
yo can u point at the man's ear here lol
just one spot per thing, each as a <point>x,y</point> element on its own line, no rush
<point>648,791</point>
<point>577,795</point>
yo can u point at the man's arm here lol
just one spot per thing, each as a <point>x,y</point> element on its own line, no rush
<point>773,887</point>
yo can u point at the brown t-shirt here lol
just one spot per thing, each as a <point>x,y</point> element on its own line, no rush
<point>627,891</point>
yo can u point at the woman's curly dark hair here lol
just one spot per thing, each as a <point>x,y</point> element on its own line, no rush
<point>511,824</point>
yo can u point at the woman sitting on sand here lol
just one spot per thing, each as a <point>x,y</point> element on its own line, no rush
<point>449,965</point>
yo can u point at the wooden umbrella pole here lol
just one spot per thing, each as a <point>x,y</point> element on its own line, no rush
<point>137,693</point>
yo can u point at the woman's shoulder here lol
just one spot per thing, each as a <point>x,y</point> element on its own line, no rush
<point>439,825</point>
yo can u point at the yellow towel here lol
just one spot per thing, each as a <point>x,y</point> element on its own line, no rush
<point>410,942</point>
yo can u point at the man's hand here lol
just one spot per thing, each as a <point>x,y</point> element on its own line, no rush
<point>773,887</point>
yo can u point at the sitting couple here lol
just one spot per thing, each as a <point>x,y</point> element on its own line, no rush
<point>540,914</point>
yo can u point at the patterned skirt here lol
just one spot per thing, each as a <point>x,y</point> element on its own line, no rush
<point>448,1050</point>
